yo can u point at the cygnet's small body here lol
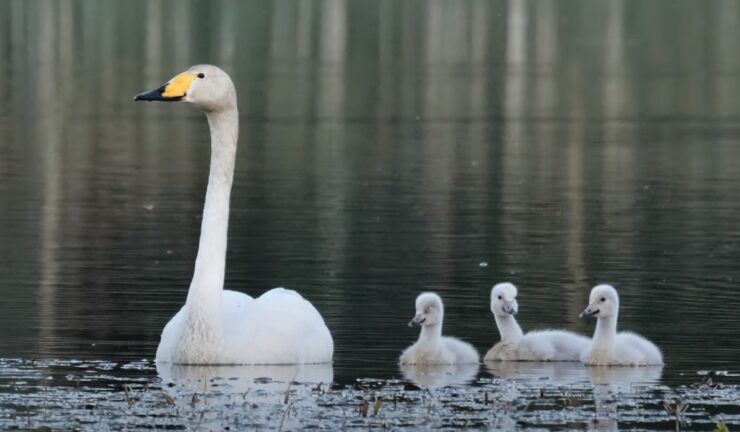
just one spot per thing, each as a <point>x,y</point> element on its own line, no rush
<point>433,348</point>
<point>538,345</point>
<point>609,348</point>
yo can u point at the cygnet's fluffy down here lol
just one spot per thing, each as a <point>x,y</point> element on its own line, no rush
<point>538,345</point>
<point>433,348</point>
<point>609,348</point>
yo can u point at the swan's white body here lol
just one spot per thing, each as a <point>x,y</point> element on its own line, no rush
<point>538,345</point>
<point>432,348</point>
<point>609,348</point>
<point>227,327</point>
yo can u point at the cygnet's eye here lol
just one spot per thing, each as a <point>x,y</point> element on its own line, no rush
<point>499,297</point>
<point>201,75</point>
<point>603,299</point>
<point>426,311</point>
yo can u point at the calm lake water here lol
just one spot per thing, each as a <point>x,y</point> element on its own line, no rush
<point>387,148</point>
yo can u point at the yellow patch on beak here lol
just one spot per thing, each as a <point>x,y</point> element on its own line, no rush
<point>179,85</point>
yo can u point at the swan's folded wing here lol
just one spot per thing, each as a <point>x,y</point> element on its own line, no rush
<point>280,326</point>
<point>643,352</point>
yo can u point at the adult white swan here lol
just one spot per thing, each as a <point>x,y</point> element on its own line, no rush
<point>432,348</point>
<point>227,327</point>
<point>609,348</point>
<point>537,345</point>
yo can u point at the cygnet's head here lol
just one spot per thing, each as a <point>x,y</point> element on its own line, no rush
<point>429,310</point>
<point>603,302</point>
<point>205,86</point>
<point>503,299</point>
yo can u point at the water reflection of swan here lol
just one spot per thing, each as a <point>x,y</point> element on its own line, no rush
<point>564,373</point>
<point>609,381</point>
<point>227,327</point>
<point>624,376</point>
<point>606,381</point>
<point>263,394</point>
<point>557,373</point>
<point>435,376</point>
<point>239,379</point>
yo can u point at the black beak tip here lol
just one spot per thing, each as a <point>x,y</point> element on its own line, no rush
<point>156,95</point>
<point>585,314</point>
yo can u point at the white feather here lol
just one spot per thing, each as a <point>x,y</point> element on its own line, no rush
<point>432,348</point>
<point>538,345</point>
<point>609,348</point>
<point>227,327</point>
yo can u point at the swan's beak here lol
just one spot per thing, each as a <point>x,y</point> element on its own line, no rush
<point>590,310</point>
<point>510,307</point>
<point>417,321</point>
<point>176,89</point>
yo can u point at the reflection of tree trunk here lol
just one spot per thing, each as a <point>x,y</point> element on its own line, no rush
<point>183,45</point>
<point>227,37</point>
<point>292,30</point>
<point>615,89</point>
<point>575,241</point>
<point>153,42</point>
<point>619,158</point>
<point>54,54</point>
<point>726,83</point>
<point>514,140</point>
<point>332,158</point>
<point>442,47</point>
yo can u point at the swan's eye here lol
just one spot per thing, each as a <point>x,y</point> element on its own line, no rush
<point>603,299</point>
<point>499,297</point>
<point>201,75</point>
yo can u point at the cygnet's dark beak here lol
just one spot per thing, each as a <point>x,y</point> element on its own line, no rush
<point>590,310</point>
<point>417,321</point>
<point>510,308</point>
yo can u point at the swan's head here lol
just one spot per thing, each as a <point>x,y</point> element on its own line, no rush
<point>603,302</point>
<point>503,299</point>
<point>205,86</point>
<point>429,310</point>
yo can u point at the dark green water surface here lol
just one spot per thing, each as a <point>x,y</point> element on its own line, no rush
<point>387,148</point>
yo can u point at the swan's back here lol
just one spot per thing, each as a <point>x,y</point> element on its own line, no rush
<point>503,351</point>
<point>463,352</point>
<point>635,349</point>
<point>447,351</point>
<point>552,345</point>
<point>279,327</point>
<point>629,349</point>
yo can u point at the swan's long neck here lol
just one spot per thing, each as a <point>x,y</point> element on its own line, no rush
<point>508,328</point>
<point>606,331</point>
<point>431,335</point>
<point>204,296</point>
